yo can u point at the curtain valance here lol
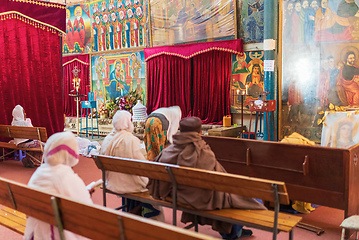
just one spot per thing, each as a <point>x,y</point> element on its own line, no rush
<point>82,59</point>
<point>187,51</point>
<point>50,14</point>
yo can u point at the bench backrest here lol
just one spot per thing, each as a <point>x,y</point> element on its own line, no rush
<point>34,133</point>
<point>222,182</point>
<point>91,221</point>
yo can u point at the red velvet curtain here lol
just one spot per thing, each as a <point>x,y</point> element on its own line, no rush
<point>69,63</point>
<point>194,76</point>
<point>211,86</point>
<point>169,83</point>
<point>30,75</point>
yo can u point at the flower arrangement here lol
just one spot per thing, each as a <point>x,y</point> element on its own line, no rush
<point>110,107</point>
<point>129,101</point>
<point>102,110</point>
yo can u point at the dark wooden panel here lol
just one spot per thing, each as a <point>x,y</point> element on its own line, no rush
<point>321,175</point>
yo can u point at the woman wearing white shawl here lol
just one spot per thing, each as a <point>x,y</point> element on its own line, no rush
<point>19,119</point>
<point>122,143</point>
<point>160,126</point>
<point>56,176</point>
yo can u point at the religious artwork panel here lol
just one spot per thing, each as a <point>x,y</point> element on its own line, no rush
<point>316,78</point>
<point>250,20</point>
<point>247,79</point>
<point>78,30</point>
<point>340,129</point>
<point>320,57</point>
<point>184,21</point>
<point>115,76</point>
<point>118,24</point>
<point>320,21</point>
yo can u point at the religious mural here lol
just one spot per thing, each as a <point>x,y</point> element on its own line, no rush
<point>118,24</point>
<point>340,129</point>
<point>247,79</point>
<point>183,21</point>
<point>115,75</point>
<point>250,20</point>
<point>78,30</point>
<point>321,64</point>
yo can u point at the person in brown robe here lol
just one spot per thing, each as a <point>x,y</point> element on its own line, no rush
<point>190,150</point>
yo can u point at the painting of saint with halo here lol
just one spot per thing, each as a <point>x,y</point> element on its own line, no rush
<point>340,130</point>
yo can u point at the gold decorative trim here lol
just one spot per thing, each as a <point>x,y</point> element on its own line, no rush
<point>194,54</point>
<point>38,24</point>
<point>40,3</point>
<point>75,59</point>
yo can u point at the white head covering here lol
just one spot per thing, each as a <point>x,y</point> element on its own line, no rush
<point>173,115</point>
<point>18,118</point>
<point>61,148</point>
<point>122,121</point>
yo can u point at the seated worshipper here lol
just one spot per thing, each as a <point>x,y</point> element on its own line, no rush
<point>122,143</point>
<point>56,176</point>
<point>190,150</point>
<point>160,126</point>
<point>19,119</point>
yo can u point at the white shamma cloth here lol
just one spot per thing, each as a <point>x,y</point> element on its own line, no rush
<point>18,119</point>
<point>122,143</point>
<point>56,176</point>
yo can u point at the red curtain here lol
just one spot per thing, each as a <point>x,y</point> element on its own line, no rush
<point>169,83</point>
<point>82,64</point>
<point>30,75</point>
<point>211,86</point>
<point>194,76</point>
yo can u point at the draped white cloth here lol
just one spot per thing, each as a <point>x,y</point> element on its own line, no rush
<point>18,119</point>
<point>56,176</point>
<point>173,115</point>
<point>121,143</point>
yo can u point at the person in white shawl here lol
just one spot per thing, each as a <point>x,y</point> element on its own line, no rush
<point>122,143</point>
<point>19,119</point>
<point>160,126</point>
<point>56,176</point>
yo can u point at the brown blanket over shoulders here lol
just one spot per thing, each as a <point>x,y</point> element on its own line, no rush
<point>189,150</point>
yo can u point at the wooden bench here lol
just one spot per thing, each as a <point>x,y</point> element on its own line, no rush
<point>315,174</point>
<point>92,221</point>
<point>34,133</point>
<point>273,191</point>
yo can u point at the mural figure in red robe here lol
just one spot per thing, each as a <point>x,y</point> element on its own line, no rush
<point>79,28</point>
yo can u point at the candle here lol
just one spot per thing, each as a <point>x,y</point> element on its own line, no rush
<point>237,91</point>
<point>246,89</point>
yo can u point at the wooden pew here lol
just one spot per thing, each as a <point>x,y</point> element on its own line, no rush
<point>34,133</point>
<point>320,175</point>
<point>273,191</point>
<point>92,221</point>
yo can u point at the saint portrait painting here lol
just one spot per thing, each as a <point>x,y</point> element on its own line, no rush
<point>340,130</point>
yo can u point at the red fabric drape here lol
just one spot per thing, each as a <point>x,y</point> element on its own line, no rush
<point>69,63</point>
<point>31,74</point>
<point>169,83</point>
<point>188,51</point>
<point>50,13</point>
<point>199,85</point>
<point>211,86</point>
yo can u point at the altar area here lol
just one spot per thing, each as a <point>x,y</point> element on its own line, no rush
<point>105,127</point>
